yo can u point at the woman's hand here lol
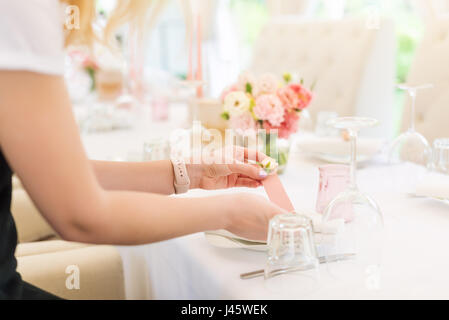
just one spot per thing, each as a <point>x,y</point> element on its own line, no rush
<point>249,215</point>
<point>237,173</point>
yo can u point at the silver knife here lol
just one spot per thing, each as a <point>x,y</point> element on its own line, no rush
<point>334,258</point>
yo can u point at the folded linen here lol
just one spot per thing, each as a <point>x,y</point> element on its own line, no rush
<point>337,146</point>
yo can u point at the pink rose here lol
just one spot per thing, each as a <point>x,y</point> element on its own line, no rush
<point>289,98</point>
<point>304,95</point>
<point>243,123</point>
<point>269,107</point>
<point>267,83</point>
<point>289,126</point>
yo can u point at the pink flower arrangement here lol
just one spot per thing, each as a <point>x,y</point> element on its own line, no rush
<point>287,127</point>
<point>269,107</point>
<point>269,104</point>
<point>243,123</point>
<point>305,96</point>
<point>87,63</point>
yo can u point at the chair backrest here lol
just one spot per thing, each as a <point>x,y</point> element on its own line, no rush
<point>431,65</point>
<point>351,63</point>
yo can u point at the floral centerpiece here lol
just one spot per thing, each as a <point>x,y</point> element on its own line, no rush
<point>267,103</point>
<point>84,61</point>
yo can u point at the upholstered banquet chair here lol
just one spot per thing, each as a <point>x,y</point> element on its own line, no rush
<point>47,262</point>
<point>350,60</point>
<point>431,65</point>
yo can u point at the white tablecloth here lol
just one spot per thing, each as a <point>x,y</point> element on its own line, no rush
<point>415,260</point>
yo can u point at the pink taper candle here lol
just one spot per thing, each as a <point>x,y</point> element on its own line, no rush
<point>190,66</point>
<point>199,71</point>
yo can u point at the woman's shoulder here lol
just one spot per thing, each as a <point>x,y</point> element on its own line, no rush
<point>32,36</point>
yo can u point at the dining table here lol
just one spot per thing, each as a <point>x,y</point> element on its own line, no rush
<point>415,263</point>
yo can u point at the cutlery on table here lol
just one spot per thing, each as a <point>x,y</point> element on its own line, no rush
<point>334,258</point>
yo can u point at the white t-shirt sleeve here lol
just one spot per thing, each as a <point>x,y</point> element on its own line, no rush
<point>32,36</point>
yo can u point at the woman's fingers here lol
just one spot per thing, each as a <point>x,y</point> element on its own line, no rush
<point>247,183</point>
<point>254,155</point>
<point>249,170</point>
<point>244,154</point>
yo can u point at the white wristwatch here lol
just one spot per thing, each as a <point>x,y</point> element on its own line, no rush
<point>181,181</point>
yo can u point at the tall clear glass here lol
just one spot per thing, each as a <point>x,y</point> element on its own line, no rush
<point>362,234</point>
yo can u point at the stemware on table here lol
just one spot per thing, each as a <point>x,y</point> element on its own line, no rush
<point>291,245</point>
<point>363,230</point>
<point>156,149</point>
<point>411,146</point>
<point>440,155</point>
<point>334,179</point>
<point>292,264</point>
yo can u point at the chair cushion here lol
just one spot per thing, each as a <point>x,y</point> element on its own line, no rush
<point>31,226</point>
<point>41,247</point>
<point>99,268</point>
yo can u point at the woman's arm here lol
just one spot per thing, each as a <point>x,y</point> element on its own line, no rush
<point>157,176</point>
<point>40,140</point>
<point>152,177</point>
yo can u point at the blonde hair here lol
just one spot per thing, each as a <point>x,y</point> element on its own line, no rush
<point>135,12</point>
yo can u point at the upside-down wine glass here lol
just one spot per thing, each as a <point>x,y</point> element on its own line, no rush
<point>411,146</point>
<point>132,64</point>
<point>363,229</point>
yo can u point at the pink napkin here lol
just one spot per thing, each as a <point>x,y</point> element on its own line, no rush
<point>276,192</point>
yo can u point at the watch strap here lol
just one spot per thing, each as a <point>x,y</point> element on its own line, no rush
<point>181,181</point>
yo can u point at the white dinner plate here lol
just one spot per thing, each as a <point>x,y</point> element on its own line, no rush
<point>224,239</point>
<point>227,240</point>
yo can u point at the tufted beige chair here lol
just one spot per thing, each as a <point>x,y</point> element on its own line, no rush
<point>43,259</point>
<point>351,62</point>
<point>431,65</point>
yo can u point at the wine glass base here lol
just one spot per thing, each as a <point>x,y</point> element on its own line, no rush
<point>362,235</point>
<point>411,146</point>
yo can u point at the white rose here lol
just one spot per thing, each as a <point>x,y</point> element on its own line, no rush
<point>236,103</point>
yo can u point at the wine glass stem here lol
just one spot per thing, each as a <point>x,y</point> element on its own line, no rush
<point>353,162</point>
<point>412,94</point>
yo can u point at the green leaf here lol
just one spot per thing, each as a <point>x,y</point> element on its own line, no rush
<point>301,82</point>
<point>249,88</point>
<point>225,115</point>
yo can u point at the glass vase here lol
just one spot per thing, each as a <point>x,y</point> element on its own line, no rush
<point>277,148</point>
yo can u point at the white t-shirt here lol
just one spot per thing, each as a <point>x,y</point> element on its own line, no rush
<point>32,36</point>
